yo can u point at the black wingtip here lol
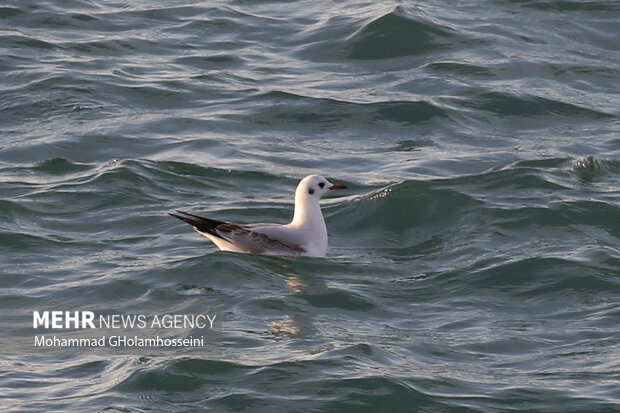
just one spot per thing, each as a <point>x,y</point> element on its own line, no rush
<point>183,218</point>
<point>172,214</point>
<point>199,223</point>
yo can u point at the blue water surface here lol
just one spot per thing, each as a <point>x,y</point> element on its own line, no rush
<point>474,260</point>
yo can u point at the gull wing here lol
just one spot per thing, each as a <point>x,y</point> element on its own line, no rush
<point>242,238</point>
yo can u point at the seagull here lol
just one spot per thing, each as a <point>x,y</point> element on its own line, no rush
<point>305,235</point>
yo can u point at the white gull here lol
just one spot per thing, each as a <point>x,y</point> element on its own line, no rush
<point>306,234</point>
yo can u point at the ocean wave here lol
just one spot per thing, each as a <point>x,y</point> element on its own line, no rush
<point>212,62</point>
<point>254,384</point>
<point>279,107</point>
<point>17,41</point>
<point>592,169</point>
<point>461,68</point>
<point>334,298</point>
<point>397,34</point>
<point>8,12</point>
<point>567,6</point>
<point>473,260</point>
<point>59,166</point>
<point>544,276</point>
<point>505,104</point>
<point>401,207</point>
<point>365,36</point>
<point>530,207</point>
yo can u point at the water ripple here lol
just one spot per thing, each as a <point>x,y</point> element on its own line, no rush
<point>473,258</point>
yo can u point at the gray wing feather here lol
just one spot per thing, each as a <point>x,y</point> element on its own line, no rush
<point>256,238</point>
<point>254,241</point>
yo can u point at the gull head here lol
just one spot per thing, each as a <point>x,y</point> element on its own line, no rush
<point>307,208</point>
<point>313,187</point>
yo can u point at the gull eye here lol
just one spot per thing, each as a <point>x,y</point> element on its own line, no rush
<point>322,184</point>
<point>310,191</point>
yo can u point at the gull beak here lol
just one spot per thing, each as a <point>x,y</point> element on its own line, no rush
<point>337,186</point>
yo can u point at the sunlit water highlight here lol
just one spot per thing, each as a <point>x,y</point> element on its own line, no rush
<point>474,261</point>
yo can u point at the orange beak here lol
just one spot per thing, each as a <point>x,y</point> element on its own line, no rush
<point>337,186</point>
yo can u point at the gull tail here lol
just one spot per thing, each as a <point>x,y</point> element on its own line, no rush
<point>200,224</point>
